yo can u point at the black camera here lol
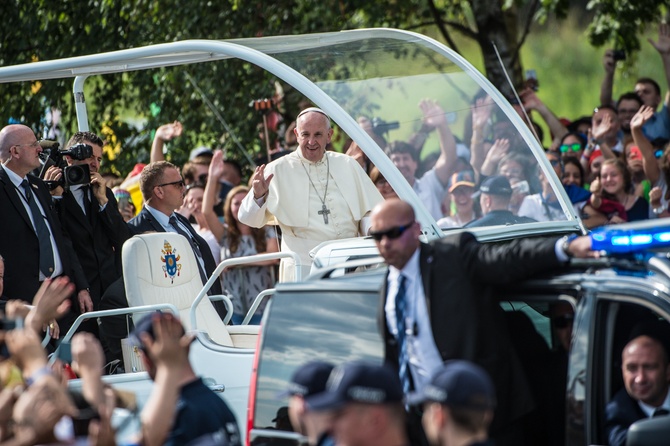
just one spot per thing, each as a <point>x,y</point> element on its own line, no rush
<point>380,127</point>
<point>72,175</point>
<point>619,55</point>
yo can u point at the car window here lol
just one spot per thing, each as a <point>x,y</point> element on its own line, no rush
<point>306,326</point>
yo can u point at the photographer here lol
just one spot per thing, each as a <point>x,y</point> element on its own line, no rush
<point>89,213</point>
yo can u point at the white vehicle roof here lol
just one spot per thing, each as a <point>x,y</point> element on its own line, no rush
<point>382,73</point>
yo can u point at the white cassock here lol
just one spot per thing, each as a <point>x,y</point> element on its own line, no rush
<point>295,202</point>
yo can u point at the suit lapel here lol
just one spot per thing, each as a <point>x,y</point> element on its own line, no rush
<point>13,196</point>
<point>70,204</point>
<point>425,266</point>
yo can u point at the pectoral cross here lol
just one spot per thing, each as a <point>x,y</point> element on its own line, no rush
<point>324,211</point>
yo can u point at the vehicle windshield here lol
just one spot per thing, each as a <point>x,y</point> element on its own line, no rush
<point>308,326</point>
<point>442,125</point>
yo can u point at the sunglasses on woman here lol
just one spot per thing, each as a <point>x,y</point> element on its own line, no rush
<point>576,147</point>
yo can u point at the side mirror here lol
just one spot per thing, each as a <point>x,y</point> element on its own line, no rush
<point>649,432</point>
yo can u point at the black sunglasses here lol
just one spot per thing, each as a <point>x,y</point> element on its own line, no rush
<point>562,321</point>
<point>392,233</point>
<point>179,183</point>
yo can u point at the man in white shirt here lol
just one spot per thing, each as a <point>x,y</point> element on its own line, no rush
<point>313,195</point>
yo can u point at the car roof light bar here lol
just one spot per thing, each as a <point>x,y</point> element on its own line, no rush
<point>629,241</point>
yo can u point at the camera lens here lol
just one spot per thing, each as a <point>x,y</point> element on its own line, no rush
<point>78,174</point>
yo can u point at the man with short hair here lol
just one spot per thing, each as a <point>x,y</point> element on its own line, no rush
<point>626,107</point>
<point>495,194</point>
<point>310,379</point>
<point>90,214</point>
<point>439,303</point>
<point>458,405</point>
<point>367,403</point>
<point>33,242</point>
<point>163,190</point>
<point>314,195</point>
<point>646,377</point>
<point>181,408</point>
<point>605,127</point>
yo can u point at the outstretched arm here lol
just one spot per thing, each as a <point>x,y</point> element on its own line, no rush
<point>532,102</point>
<point>662,45</point>
<point>608,81</point>
<point>164,133</point>
<point>433,115</point>
<point>649,162</point>
<point>209,198</point>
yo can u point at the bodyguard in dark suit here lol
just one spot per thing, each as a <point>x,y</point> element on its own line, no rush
<point>90,215</point>
<point>441,297</point>
<point>26,209</point>
<point>162,188</point>
<point>646,375</point>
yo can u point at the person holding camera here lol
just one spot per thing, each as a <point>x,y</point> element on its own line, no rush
<point>89,213</point>
<point>33,242</point>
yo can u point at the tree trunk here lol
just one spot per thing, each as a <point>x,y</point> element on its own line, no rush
<point>495,26</point>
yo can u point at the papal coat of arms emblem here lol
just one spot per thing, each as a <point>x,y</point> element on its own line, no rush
<point>171,268</point>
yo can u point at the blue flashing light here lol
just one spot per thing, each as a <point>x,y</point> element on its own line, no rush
<point>628,241</point>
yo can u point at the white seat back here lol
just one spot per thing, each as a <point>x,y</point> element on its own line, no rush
<point>161,268</point>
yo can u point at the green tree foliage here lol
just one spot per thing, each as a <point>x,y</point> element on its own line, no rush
<point>45,30</point>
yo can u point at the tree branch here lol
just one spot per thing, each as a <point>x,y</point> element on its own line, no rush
<point>526,30</point>
<point>440,25</point>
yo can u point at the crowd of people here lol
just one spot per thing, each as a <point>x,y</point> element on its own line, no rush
<point>614,166</point>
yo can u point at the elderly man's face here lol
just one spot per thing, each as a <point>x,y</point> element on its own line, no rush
<point>645,370</point>
<point>313,135</point>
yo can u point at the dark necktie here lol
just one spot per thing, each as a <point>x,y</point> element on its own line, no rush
<point>43,235</point>
<point>401,318</point>
<point>661,412</point>
<point>194,246</point>
<point>87,201</point>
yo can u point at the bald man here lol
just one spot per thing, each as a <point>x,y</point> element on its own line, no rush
<point>646,374</point>
<point>32,243</point>
<point>314,195</point>
<point>455,277</point>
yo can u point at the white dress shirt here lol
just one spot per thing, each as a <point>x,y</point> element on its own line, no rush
<point>424,357</point>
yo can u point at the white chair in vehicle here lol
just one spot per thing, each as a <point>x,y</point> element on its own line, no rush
<point>161,268</point>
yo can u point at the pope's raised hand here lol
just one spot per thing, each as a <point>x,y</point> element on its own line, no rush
<point>260,183</point>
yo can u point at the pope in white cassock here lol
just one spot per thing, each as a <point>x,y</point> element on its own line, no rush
<point>314,195</point>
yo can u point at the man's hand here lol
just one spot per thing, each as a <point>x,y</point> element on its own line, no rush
<point>85,301</point>
<point>167,132</point>
<point>663,43</point>
<point>581,248</point>
<point>99,189</point>
<point>53,173</point>
<point>259,183</point>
